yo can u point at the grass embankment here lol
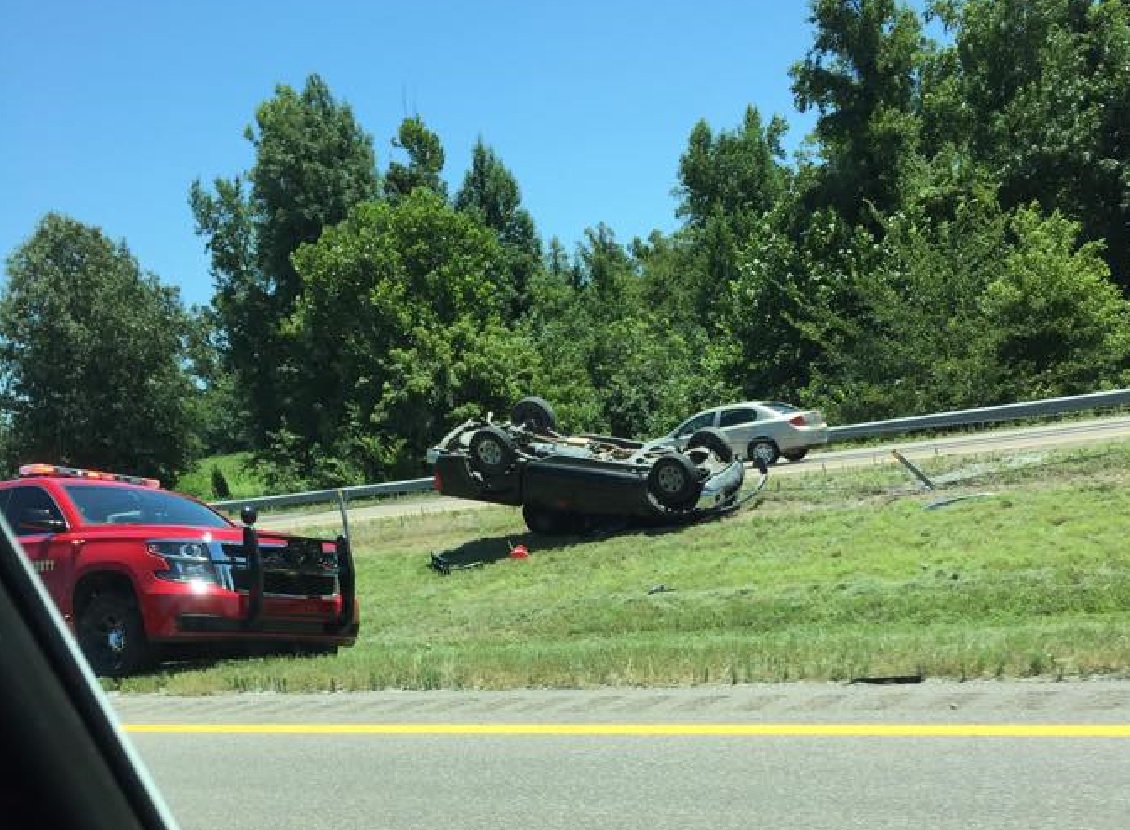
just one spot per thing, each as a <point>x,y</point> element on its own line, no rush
<point>826,577</point>
<point>237,470</point>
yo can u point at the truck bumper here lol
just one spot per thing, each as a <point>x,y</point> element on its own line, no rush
<point>208,612</point>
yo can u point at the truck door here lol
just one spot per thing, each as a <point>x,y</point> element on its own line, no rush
<point>37,521</point>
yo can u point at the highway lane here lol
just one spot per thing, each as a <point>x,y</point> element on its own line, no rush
<point>1048,436</point>
<point>719,757</point>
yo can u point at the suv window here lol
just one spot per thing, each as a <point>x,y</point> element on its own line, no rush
<point>734,417</point>
<point>21,499</point>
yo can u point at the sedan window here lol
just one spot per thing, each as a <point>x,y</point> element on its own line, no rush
<point>734,417</point>
<point>696,423</point>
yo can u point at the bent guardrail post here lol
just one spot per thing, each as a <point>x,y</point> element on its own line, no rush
<point>914,471</point>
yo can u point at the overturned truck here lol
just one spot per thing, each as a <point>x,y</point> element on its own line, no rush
<point>563,482</point>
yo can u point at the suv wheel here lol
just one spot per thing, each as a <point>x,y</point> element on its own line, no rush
<point>112,635</point>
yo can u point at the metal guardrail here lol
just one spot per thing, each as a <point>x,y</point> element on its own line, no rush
<point>962,417</point>
<point>341,495</point>
<point>983,415</point>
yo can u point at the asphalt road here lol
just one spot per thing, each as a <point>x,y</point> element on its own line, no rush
<point>936,755</point>
<point>998,441</point>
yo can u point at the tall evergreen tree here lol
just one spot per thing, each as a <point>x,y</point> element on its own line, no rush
<point>425,161</point>
<point>491,192</point>
<point>312,164</point>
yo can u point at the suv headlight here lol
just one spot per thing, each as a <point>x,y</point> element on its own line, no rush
<point>185,561</point>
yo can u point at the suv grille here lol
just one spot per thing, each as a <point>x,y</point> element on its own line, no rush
<point>288,584</point>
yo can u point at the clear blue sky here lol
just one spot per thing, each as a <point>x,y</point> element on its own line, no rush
<point>110,109</point>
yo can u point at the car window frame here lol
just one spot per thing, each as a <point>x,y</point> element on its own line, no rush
<point>683,430</point>
<point>13,520</point>
<point>750,409</point>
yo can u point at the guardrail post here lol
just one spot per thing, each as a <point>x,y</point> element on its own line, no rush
<point>343,505</point>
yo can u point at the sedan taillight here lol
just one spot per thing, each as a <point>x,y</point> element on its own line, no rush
<point>797,421</point>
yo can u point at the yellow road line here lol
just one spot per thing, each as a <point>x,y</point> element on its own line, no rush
<point>818,730</point>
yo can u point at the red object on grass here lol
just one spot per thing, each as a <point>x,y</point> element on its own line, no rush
<point>519,552</point>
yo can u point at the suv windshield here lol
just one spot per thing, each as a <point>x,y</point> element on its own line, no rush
<point>102,505</point>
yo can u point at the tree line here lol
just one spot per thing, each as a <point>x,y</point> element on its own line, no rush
<point>954,232</point>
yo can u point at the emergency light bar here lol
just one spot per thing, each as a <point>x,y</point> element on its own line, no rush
<point>30,470</point>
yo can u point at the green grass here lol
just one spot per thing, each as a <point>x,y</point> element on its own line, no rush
<point>825,577</point>
<point>237,469</point>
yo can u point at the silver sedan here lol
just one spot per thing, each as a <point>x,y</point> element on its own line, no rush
<point>766,430</point>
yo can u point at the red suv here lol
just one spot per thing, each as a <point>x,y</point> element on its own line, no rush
<point>133,567</point>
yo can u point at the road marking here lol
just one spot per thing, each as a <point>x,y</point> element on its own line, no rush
<point>770,730</point>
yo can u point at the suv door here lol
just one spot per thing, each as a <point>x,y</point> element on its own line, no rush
<point>37,521</point>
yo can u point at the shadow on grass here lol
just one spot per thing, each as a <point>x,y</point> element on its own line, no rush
<point>180,659</point>
<point>480,552</point>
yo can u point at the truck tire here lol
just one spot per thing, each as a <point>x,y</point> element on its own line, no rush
<point>713,440</point>
<point>534,414</point>
<point>112,635</point>
<point>492,451</point>
<point>674,482</point>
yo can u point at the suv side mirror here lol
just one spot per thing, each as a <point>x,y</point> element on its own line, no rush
<point>40,520</point>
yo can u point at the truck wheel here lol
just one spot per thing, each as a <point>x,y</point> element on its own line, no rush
<point>492,451</point>
<point>112,635</point>
<point>713,440</point>
<point>673,481</point>
<point>764,449</point>
<point>535,414</point>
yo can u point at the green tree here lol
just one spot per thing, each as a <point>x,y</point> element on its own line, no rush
<point>726,182</point>
<point>93,355</point>
<point>312,164</point>
<point>1038,91</point>
<point>862,76</point>
<point>736,172</point>
<point>491,193</point>
<point>1054,323</point>
<point>989,307</point>
<point>221,412</point>
<point>425,161</point>
<point>398,314</point>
